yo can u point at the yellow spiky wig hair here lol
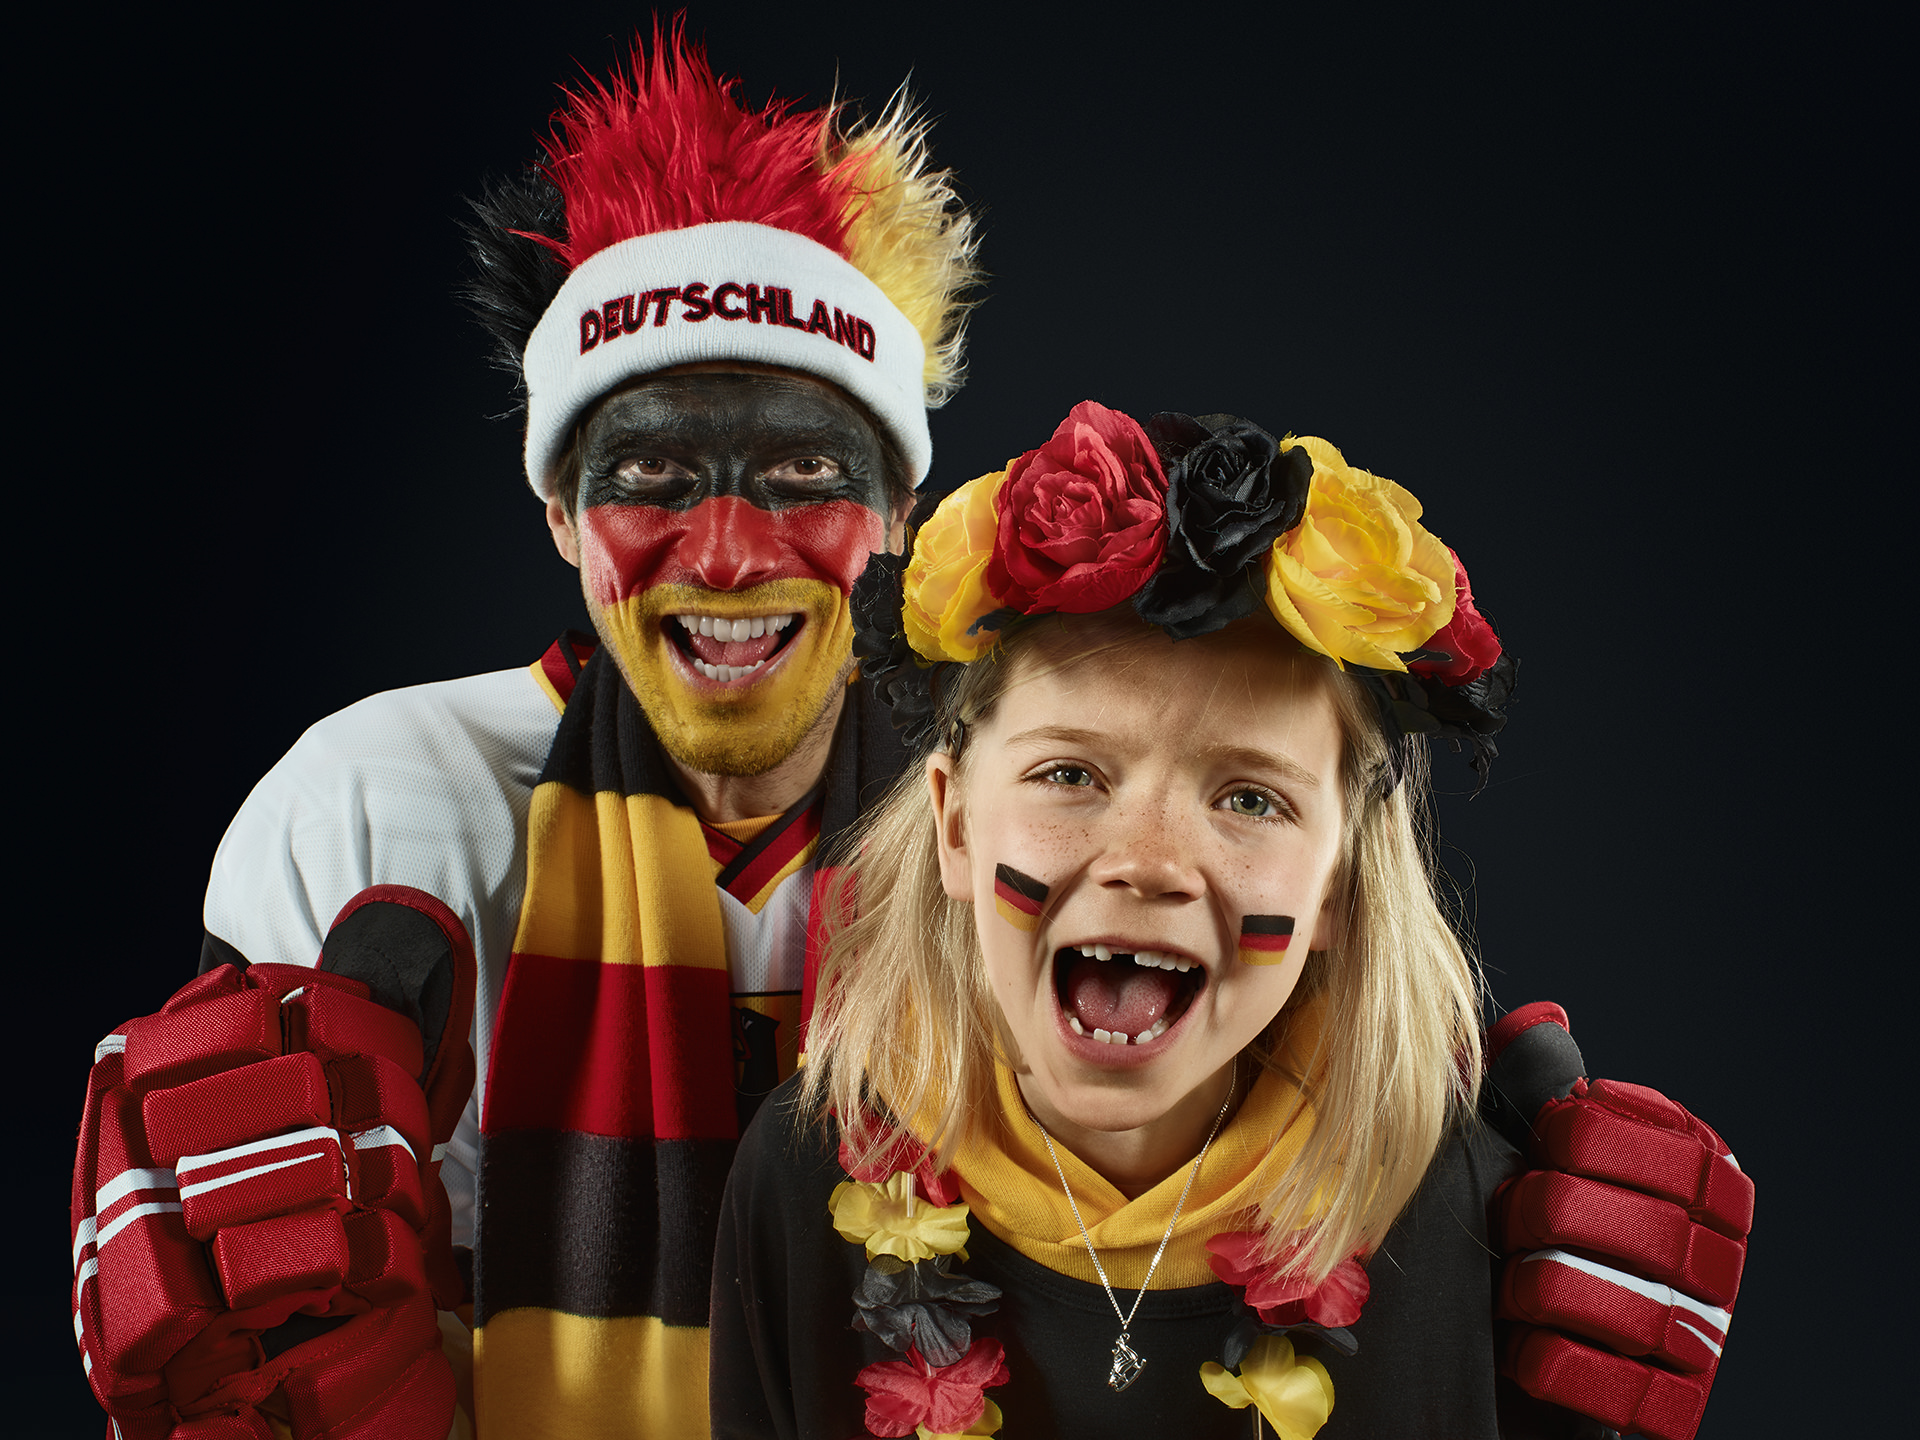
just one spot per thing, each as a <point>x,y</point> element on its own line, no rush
<point>670,224</point>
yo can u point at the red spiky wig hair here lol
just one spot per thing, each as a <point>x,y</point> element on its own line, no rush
<point>669,223</point>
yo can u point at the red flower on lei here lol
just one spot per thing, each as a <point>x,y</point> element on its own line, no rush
<point>903,1152</point>
<point>1467,638</point>
<point>1083,519</point>
<point>904,1394</point>
<point>1282,1299</point>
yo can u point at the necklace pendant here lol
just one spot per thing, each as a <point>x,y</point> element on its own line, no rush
<point>1127,1364</point>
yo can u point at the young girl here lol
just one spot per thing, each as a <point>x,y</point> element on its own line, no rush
<point>1146,1028</point>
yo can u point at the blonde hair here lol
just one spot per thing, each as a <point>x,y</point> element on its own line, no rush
<point>906,1018</point>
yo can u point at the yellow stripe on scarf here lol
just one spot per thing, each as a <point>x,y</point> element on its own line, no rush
<point>541,1373</point>
<point>625,880</point>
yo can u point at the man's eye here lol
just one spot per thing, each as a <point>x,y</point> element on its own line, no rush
<point>1257,804</point>
<point>647,469</point>
<point>1067,775</point>
<point>805,468</point>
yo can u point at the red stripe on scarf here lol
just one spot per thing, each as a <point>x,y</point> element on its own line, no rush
<point>575,1019</point>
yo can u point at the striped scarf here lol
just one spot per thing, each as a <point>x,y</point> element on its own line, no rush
<point>611,1115</point>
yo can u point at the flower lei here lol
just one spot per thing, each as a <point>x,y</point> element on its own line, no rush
<point>904,1212</point>
<point>908,1217</point>
<point>1197,522</point>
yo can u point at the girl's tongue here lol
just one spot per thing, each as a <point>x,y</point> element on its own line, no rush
<point>1118,995</point>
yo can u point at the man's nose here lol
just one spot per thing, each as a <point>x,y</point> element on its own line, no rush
<point>729,544</point>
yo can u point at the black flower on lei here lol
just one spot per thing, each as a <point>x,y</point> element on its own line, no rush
<point>1231,492</point>
<point>922,1305</point>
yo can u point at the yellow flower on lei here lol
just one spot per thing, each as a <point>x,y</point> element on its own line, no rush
<point>889,1219</point>
<point>1359,578</point>
<point>990,1420</point>
<point>946,581</point>
<point>1295,1396</point>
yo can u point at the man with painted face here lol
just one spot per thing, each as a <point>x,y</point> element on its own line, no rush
<point>730,324</point>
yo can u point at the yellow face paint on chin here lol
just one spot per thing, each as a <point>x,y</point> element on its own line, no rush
<point>739,727</point>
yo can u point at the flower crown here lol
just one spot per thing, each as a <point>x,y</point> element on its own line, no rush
<point>1197,521</point>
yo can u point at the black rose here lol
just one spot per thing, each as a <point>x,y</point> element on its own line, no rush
<point>1412,706</point>
<point>1231,492</point>
<point>903,681</point>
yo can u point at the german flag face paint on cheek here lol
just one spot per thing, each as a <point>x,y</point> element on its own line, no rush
<point>1264,938</point>
<point>1018,898</point>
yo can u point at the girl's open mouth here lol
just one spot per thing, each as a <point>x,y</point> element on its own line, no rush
<point>1120,997</point>
<point>727,648</point>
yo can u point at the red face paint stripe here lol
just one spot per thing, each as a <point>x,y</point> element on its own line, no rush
<point>725,543</point>
<point>1265,942</point>
<point>1019,890</point>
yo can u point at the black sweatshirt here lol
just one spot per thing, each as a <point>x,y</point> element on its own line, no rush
<point>784,1355</point>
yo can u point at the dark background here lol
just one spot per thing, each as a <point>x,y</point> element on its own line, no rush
<point>1613,292</point>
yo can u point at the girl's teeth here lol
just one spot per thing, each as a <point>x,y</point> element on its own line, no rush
<point>1153,959</point>
<point>1078,1028</point>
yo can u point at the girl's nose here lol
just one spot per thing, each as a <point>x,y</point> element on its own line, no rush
<point>1153,853</point>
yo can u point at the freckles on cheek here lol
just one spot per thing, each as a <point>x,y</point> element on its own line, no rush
<point>1019,898</point>
<point>1264,938</point>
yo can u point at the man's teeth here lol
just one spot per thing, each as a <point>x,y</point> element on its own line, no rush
<point>726,672</point>
<point>1152,958</point>
<point>720,627</point>
<point>1117,1037</point>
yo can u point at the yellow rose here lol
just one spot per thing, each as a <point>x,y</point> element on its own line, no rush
<point>1295,1396</point>
<point>1359,578</point>
<point>890,1219</point>
<point>946,584</point>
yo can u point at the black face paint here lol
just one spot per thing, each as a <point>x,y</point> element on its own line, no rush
<point>775,441</point>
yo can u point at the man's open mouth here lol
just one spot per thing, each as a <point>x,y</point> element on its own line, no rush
<point>728,647</point>
<point>1124,997</point>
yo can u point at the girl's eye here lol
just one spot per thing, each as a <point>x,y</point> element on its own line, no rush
<point>1257,804</point>
<point>1067,775</point>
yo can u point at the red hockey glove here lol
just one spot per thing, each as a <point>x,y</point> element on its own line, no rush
<point>1631,1233</point>
<point>258,1217</point>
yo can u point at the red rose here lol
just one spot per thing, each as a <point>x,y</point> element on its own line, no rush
<point>1083,519</point>
<point>903,1394</point>
<point>1282,1298</point>
<point>1467,638</point>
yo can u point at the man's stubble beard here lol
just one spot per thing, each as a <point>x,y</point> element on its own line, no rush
<point>733,737</point>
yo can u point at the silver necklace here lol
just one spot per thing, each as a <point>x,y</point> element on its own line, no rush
<point>1128,1362</point>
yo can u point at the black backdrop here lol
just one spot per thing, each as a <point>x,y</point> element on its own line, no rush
<point>1605,290</point>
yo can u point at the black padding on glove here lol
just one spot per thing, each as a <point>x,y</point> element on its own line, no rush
<point>403,958</point>
<point>215,952</point>
<point>1539,1064</point>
